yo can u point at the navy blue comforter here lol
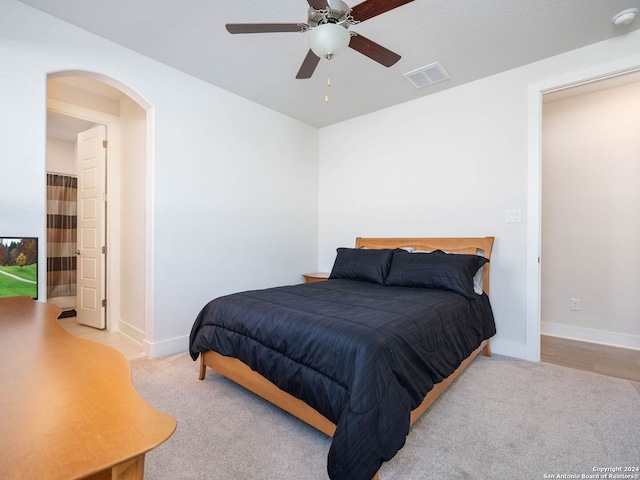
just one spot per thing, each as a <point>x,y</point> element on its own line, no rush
<point>362,354</point>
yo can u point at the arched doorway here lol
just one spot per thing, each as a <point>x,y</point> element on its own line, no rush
<point>85,99</point>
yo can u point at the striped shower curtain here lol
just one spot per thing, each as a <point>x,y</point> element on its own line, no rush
<point>62,195</point>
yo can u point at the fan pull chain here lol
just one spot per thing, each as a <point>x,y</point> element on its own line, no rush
<point>326,97</point>
<point>328,71</point>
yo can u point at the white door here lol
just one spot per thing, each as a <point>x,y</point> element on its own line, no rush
<point>91,158</point>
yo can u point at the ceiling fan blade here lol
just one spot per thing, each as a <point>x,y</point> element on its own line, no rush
<point>318,4</point>
<point>374,51</point>
<point>308,65</point>
<point>266,27</point>
<point>371,8</point>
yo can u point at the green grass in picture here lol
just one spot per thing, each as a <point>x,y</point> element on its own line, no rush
<point>10,286</point>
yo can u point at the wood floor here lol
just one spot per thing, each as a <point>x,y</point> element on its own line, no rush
<point>593,357</point>
<point>128,347</point>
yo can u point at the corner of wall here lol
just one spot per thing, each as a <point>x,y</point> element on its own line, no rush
<point>165,347</point>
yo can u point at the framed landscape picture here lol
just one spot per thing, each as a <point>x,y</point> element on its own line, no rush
<point>19,267</point>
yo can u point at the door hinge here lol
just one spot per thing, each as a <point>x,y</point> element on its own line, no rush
<point>104,250</point>
<point>104,303</point>
<point>105,143</point>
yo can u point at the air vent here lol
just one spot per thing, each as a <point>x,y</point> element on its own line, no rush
<point>427,75</point>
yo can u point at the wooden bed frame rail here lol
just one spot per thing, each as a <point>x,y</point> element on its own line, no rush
<point>242,374</point>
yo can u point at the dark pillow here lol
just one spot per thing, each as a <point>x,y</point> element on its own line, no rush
<point>369,265</point>
<point>449,271</point>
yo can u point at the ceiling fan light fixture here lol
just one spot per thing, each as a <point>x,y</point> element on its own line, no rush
<point>329,39</point>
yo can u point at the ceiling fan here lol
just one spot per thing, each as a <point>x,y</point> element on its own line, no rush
<point>328,26</point>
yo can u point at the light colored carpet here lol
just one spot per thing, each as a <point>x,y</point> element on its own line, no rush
<point>502,419</point>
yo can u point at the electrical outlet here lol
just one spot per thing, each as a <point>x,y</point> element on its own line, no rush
<point>575,304</point>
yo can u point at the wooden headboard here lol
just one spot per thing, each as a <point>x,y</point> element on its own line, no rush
<point>474,246</point>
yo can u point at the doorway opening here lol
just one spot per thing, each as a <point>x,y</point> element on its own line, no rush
<point>84,102</point>
<point>590,226</point>
<point>534,188</point>
<point>76,225</point>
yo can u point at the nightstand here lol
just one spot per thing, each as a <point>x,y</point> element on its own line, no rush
<point>315,277</point>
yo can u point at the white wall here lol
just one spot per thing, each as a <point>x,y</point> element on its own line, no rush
<point>449,164</point>
<point>61,157</point>
<point>236,186</point>
<point>63,91</point>
<point>591,216</point>
<point>233,185</point>
<point>132,219</point>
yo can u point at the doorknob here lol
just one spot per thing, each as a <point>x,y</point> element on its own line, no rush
<point>77,252</point>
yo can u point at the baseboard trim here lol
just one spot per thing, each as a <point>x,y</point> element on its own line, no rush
<point>165,347</point>
<point>130,331</point>
<point>602,337</point>
<point>509,348</point>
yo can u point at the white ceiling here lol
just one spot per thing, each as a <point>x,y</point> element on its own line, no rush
<point>470,38</point>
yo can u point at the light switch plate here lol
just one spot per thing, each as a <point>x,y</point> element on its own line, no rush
<point>514,216</point>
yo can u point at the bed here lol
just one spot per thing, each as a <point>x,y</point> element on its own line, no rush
<point>362,355</point>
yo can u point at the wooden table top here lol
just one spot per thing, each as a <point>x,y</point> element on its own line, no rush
<point>68,408</point>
